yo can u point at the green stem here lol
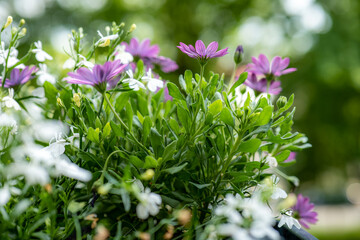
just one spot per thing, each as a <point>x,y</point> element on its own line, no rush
<point>202,68</point>
<point>106,164</point>
<point>232,79</point>
<point>124,125</point>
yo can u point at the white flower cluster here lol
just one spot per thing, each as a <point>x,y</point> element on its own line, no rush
<point>245,219</point>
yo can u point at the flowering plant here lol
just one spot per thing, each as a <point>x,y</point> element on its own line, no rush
<point>114,150</point>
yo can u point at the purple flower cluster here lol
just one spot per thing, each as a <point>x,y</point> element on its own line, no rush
<point>304,211</point>
<point>99,76</point>
<point>201,52</point>
<point>261,67</point>
<point>18,77</point>
<point>149,54</point>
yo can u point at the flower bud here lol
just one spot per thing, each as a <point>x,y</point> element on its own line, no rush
<point>122,25</point>
<point>148,174</point>
<point>22,32</point>
<point>239,54</point>
<point>281,102</point>
<point>59,102</point>
<point>184,216</point>
<point>14,30</point>
<point>132,28</point>
<point>144,236</point>
<point>22,22</point>
<point>107,29</point>
<point>102,233</point>
<point>242,89</point>
<point>8,22</point>
<point>77,99</point>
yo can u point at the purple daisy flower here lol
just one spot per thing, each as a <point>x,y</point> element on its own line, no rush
<point>262,85</point>
<point>149,54</point>
<point>291,157</point>
<point>262,66</point>
<point>99,76</point>
<point>141,49</point>
<point>304,211</point>
<point>18,77</point>
<point>201,52</point>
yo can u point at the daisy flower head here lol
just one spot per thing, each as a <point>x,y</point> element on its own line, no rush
<point>262,85</point>
<point>201,52</point>
<point>18,77</point>
<point>262,66</point>
<point>97,77</point>
<point>304,211</point>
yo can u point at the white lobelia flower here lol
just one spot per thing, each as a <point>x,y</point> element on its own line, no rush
<point>271,161</point>
<point>122,55</point>
<point>33,173</point>
<point>105,41</point>
<point>234,231</point>
<point>69,64</point>
<point>12,60</point>
<point>149,204</point>
<point>4,195</point>
<point>277,191</point>
<point>44,76</point>
<point>10,102</point>
<point>133,83</point>
<point>287,219</point>
<point>153,83</point>
<point>40,54</point>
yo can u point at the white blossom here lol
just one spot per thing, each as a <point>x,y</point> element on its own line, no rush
<point>133,83</point>
<point>149,204</point>
<point>40,54</point>
<point>271,161</point>
<point>10,102</point>
<point>153,83</point>
<point>69,64</point>
<point>4,195</point>
<point>122,55</point>
<point>12,60</point>
<point>33,173</point>
<point>44,76</point>
<point>105,40</point>
<point>277,191</point>
<point>289,221</point>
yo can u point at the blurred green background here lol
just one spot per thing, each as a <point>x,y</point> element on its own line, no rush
<point>321,37</point>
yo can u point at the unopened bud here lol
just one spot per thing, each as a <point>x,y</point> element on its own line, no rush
<point>8,22</point>
<point>122,25</point>
<point>242,89</point>
<point>132,28</point>
<point>239,54</point>
<point>105,43</point>
<point>281,102</point>
<point>104,189</point>
<point>107,29</point>
<point>22,32</point>
<point>148,174</point>
<point>77,99</point>
<point>14,30</point>
<point>59,102</point>
<point>21,23</point>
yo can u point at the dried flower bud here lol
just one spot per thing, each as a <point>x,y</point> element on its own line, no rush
<point>132,28</point>
<point>170,232</point>
<point>239,54</point>
<point>148,174</point>
<point>92,217</point>
<point>8,22</point>
<point>102,233</point>
<point>77,99</point>
<point>281,102</point>
<point>144,236</point>
<point>22,22</point>
<point>48,187</point>
<point>184,216</point>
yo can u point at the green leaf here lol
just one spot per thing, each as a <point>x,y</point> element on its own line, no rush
<point>98,123</point>
<point>129,115</point>
<point>215,107</point>
<point>90,112</point>
<point>188,80</point>
<point>240,81</point>
<point>250,146</point>
<point>184,117</point>
<point>121,101</point>
<point>50,92</point>
<point>93,135</point>
<point>174,91</point>
<point>282,156</point>
<point>134,160</point>
<point>169,151</point>
<point>227,117</point>
<point>201,186</point>
<point>106,130</point>
<point>265,115</point>
<point>117,129</point>
<point>141,118</point>
<point>146,127</point>
<point>150,162</point>
<point>174,126</point>
<point>174,170</point>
